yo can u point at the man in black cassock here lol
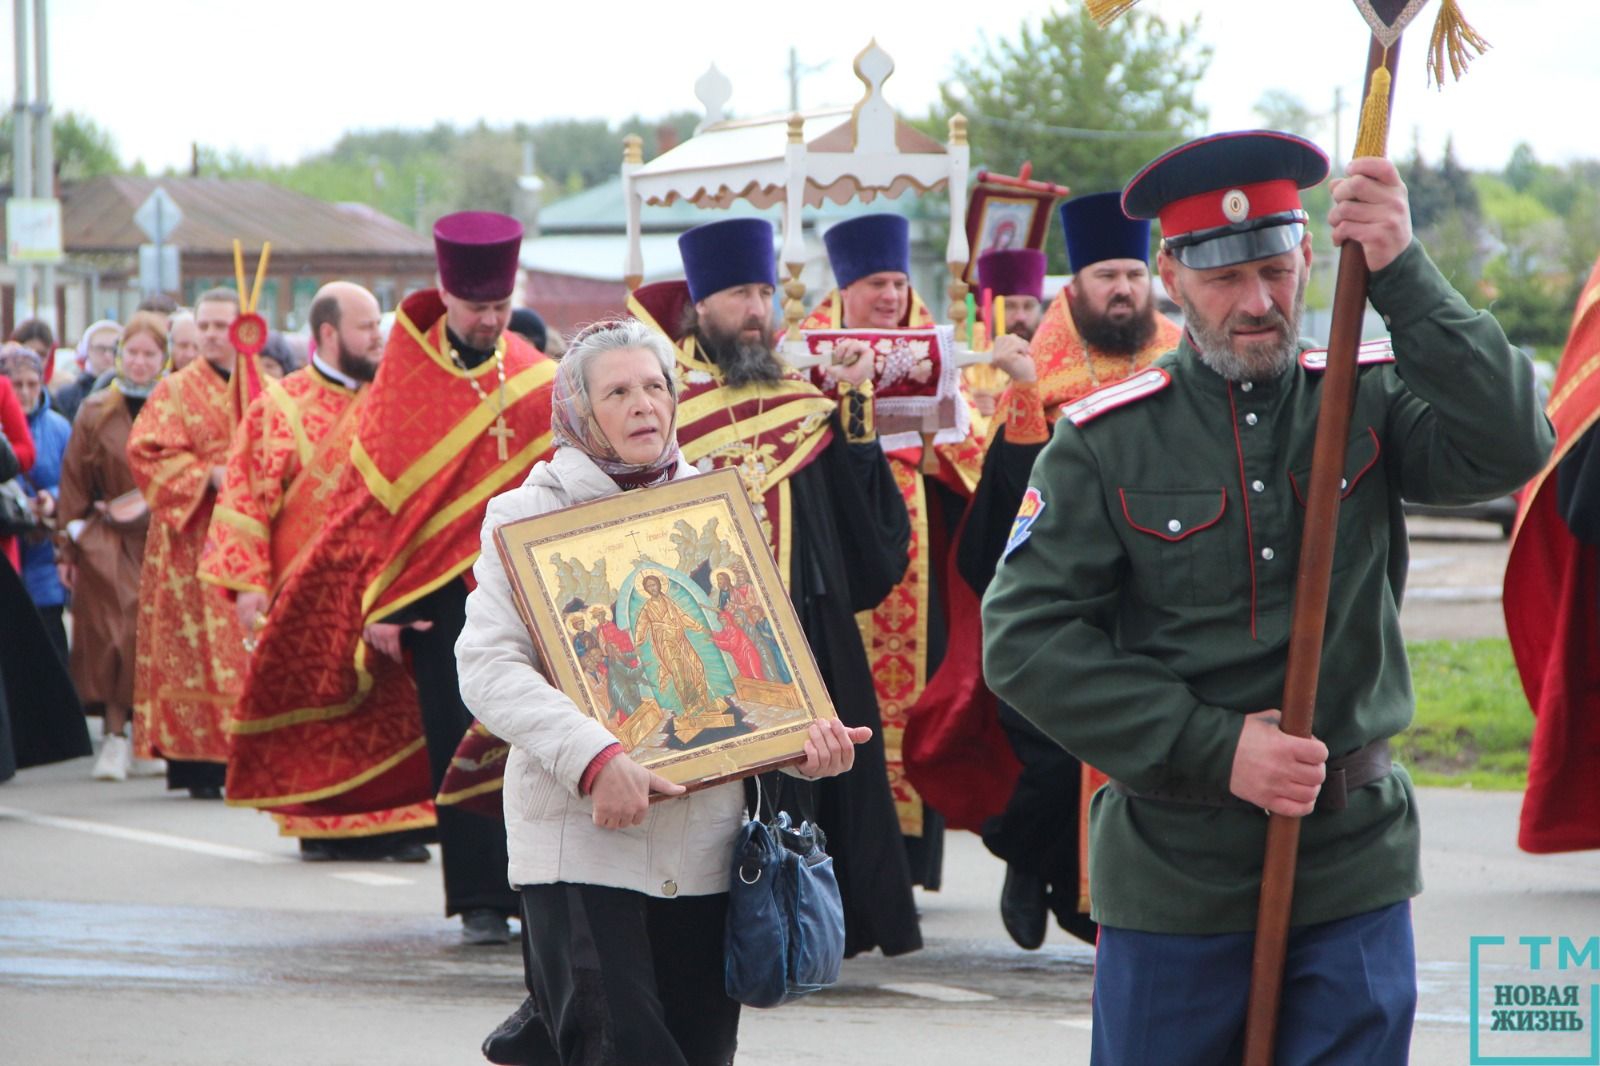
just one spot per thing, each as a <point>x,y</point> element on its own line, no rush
<point>836,522</point>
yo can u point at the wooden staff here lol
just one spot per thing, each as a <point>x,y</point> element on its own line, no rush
<point>1311,607</point>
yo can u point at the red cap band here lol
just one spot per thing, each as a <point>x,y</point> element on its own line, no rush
<point>1225,207</point>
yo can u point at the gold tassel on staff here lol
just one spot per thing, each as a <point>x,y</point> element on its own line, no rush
<point>1372,136</point>
<point>1106,11</point>
<point>1453,39</point>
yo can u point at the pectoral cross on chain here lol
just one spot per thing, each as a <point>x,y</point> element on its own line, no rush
<point>501,433</point>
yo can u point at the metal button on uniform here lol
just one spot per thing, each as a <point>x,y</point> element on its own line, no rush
<point>1344,483</point>
<point>1246,386</point>
<point>1256,486</point>
<point>1267,554</point>
<point>669,888</point>
<point>1250,419</point>
<point>1174,525</point>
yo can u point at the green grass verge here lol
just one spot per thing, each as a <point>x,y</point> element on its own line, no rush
<point>1473,726</point>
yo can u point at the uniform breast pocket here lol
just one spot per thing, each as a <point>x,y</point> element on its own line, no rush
<point>1178,545</point>
<point>1363,505</point>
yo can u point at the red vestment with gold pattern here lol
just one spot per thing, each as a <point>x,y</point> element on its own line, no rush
<point>427,455</point>
<point>190,660</point>
<point>1066,369</point>
<point>284,469</point>
<point>896,632</point>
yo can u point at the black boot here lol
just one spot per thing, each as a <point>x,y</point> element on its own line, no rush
<point>521,1040</point>
<point>1023,908</point>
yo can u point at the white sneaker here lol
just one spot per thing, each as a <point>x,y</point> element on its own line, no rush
<point>147,767</point>
<point>115,755</point>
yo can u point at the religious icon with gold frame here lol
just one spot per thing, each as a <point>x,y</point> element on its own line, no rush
<point>660,613</point>
<point>1007,212</point>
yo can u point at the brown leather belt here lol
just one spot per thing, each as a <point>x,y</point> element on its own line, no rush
<point>1346,773</point>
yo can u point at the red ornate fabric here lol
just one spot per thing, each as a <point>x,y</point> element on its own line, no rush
<point>283,470</point>
<point>1550,605</point>
<point>190,660</point>
<point>1068,369</point>
<point>895,633</point>
<point>423,467</point>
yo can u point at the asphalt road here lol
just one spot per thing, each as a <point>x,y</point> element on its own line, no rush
<point>1453,588</point>
<point>144,928</point>
<point>140,927</point>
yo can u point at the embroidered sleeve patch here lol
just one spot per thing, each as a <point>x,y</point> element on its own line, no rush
<point>1027,514</point>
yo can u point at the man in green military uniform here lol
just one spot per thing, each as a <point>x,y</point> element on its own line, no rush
<point>1150,574</point>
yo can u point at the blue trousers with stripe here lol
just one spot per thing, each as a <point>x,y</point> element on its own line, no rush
<point>1349,994</point>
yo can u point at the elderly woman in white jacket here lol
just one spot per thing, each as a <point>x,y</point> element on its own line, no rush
<point>624,901</point>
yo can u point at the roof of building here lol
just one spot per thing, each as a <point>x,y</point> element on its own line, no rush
<point>600,210</point>
<point>97,215</point>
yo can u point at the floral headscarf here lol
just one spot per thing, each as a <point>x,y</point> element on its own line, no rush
<point>572,411</point>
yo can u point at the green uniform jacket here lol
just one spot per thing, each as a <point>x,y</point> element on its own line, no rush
<point>1147,611</point>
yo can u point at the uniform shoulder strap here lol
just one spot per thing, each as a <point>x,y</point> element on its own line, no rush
<point>1145,383</point>
<point>1368,353</point>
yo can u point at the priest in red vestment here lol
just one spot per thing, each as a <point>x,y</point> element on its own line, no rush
<point>189,661</point>
<point>286,461</point>
<point>357,659</point>
<point>1552,603</point>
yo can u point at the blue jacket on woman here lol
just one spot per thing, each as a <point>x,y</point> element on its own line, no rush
<point>50,432</point>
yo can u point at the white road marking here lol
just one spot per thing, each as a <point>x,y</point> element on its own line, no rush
<point>361,877</point>
<point>1085,1023</point>
<point>942,993</point>
<point>1456,593</point>
<point>144,836</point>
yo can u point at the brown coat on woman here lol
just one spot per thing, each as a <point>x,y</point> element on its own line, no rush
<point>107,552</point>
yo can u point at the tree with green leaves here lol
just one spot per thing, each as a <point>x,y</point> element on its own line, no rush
<point>1087,106</point>
<point>82,149</point>
<point>419,175</point>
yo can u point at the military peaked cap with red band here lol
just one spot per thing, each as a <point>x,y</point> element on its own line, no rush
<point>1228,198</point>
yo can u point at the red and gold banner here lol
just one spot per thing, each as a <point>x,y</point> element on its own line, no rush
<point>423,466</point>
<point>1550,594</point>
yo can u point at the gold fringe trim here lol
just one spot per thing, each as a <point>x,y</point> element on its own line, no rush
<point>1105,12</point>
<point>1453,39</point>
<point>1372,137</point>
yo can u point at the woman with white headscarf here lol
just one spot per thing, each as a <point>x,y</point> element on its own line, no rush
<point>97,353</point>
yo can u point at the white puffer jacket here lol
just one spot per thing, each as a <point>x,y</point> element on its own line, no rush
<point>684,846</point>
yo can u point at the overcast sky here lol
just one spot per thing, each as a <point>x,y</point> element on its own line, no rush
<point>282,80</point>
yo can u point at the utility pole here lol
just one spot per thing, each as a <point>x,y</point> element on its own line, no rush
<point>1338,119</point>
<point>796,72</point>
<point>21,155</point>
<point>44,156</point>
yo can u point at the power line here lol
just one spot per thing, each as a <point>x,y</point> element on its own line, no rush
<point>1075,132</point>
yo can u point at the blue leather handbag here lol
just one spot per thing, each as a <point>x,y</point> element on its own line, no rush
<point>785,933</point>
